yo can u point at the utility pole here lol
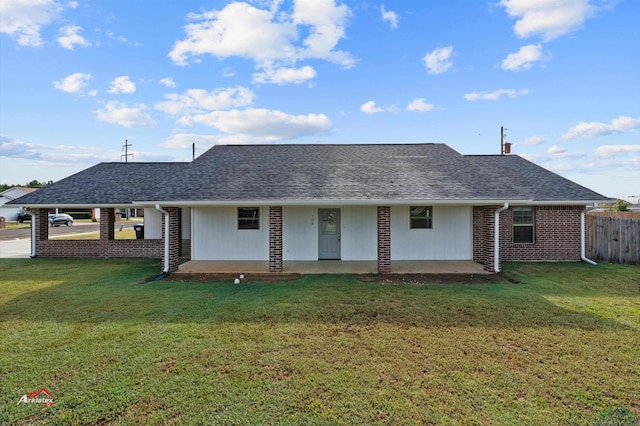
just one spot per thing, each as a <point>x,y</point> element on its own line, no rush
<point>505,147</point>
<point>126,154</point>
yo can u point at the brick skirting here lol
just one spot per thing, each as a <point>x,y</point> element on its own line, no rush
<point>101,248</point>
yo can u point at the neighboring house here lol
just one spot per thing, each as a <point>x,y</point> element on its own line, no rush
<point>10,212</point>
<point>280,203</point>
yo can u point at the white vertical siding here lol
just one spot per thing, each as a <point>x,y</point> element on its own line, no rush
<point>299,233</point>
<point>450,238</point>
<point>216,235</point>
<point>152,224</point>
<point>185,213</point>
<point>359,232</point>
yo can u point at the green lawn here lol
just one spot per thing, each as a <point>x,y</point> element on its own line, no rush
<point>113,346</point>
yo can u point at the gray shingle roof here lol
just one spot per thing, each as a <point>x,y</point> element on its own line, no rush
<point>317,173</point>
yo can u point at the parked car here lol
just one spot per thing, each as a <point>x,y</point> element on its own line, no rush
<point>60,219</point>
<point>24,217</point>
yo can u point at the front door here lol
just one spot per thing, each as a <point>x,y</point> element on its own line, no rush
<point>329,234</point>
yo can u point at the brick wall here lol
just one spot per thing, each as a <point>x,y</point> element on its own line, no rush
<point>483,226</point>
<point>174,237</point>
<point>275,239</point>
<point>100,248</point>
<point>107,222</point>
<point>384,239</point>
<point>557,235</point>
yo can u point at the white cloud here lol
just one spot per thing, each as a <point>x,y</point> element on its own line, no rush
<point>167,82</point>
<point>285,75</point>
<point>119,113</point>
<point>553,153</point>
<point>547,18</point>
<point>267,125</point>
<point>495,95</point>
<point>613,150</point>
<point>73,83</point>
<point>72,4</point>
<point>420,105</point>
<point>23,20</point>
<point>270,37</point>
<point>186,140</point>
<point>52,154</point>
<point>197,101</point>
<point>389,16</point>
<point>68,37</point>
<point>439,60</point>
<point>532,141</point>
<point>524,58</point>
<point>371,108</point>
<point>593,129</point>
<point>122,85</point>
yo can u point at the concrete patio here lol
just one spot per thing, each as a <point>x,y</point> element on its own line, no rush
<point>332,267</point>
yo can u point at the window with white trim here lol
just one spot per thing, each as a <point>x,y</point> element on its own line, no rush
<point>420,217</point>
<point>248,217</point>
<point>523,225</point>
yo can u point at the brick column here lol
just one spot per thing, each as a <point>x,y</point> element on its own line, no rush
<point>483,225</point>
<point>384,239</point>
<point>107,224</point>
<point>174,237</point>
<point>42,225</point>
<point>275,239</point>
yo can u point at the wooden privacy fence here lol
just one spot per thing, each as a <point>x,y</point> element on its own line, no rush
<point>613,238</point>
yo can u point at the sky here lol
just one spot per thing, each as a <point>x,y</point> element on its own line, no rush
<point>80,79</point>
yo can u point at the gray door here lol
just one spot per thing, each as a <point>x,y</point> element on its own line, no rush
<point>329,234</point>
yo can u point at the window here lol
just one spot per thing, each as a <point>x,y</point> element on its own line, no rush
<point>523,225</point>
<point>248,217</point>
<point>420,217</point>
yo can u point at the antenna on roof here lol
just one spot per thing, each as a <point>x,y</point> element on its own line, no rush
<point>505,147</point>
<point>126,154</point>
<point>193,154</point>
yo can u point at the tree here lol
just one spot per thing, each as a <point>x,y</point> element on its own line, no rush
<point>619,206</point>
<point>37,184</point>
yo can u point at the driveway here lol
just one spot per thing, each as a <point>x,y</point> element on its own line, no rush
<point>16,243</point>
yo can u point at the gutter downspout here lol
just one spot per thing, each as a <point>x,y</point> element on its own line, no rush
<point>496,237</point>
<point>33,235</point>
<point>582,237</point>
<point>165,269</point>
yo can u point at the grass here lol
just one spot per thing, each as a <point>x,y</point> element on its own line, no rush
<point>114,347</point>
<point>125,234</point>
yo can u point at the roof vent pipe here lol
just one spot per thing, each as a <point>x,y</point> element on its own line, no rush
<point>582,238</point>
<point>165,269</point>
<point>496,237</point>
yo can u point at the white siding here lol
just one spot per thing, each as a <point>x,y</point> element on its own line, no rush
<point>450,238</point>
<point>299,233</point>
<point>185,214</point>
<point>359,232</point>
<point>216,235</point>
<point>152,224</point>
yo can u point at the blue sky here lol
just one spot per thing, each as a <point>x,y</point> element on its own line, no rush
<point>78,78</point>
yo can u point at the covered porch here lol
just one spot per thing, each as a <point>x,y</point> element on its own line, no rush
<point>333,267</point>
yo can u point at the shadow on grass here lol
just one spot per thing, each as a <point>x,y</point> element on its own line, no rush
<point>120,291</point>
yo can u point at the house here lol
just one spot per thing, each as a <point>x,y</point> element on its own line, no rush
<point>285,203</point>
<point>10,212</point>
